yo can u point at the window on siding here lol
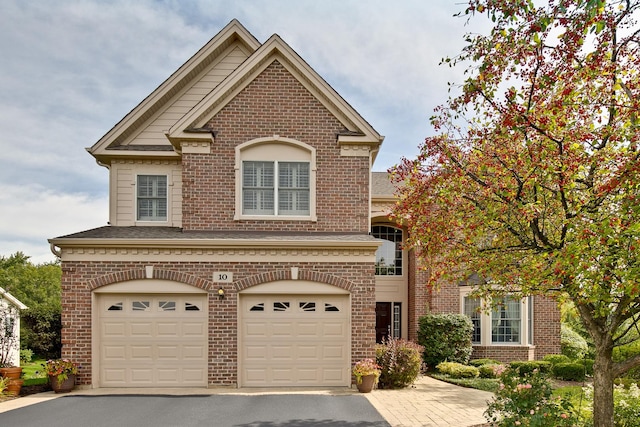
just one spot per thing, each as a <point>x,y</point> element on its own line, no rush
<point>152,198</point>
<point>389,254</point>
<point>505,320</point>
<point>263,194</point>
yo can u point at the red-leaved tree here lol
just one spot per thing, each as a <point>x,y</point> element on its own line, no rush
<point>532,180</point>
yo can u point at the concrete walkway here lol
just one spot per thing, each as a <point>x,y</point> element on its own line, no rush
<point>428,403</point>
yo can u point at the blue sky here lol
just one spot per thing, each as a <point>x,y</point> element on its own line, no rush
<point>71,69</point>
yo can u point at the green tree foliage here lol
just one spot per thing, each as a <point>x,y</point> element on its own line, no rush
<point>532,179</point>
<point>38,287</point>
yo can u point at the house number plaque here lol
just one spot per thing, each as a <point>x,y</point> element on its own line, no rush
<point>223,277</point>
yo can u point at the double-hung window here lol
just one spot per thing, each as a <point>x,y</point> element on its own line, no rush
<point>472,307</point>
<point>506,320</point>
<point>275,188</point>
<point>151,198</point>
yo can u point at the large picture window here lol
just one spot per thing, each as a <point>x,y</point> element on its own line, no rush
<point>151,198</point>
<point>275,188</point>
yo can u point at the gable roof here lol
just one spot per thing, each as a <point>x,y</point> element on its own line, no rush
<point>190,126</point>
<point>10,298</point>
<point>118,141</point>
<point>112,143</point>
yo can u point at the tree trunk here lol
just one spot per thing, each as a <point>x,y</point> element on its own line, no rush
<point>603,387</point>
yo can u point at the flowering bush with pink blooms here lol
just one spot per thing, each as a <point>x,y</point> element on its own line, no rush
<point>525,400</point>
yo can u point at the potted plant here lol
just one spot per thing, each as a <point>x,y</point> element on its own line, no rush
<point>62,374</point>
<point>367,372</point>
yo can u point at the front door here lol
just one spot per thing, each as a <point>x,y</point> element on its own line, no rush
<point>383,321</point>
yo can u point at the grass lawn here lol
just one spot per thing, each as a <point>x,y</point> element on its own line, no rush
<point>33,373</point>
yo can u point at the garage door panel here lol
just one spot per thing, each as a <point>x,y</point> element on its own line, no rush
<point>281,329</point>
<point>193,329</point>
<point>168,329</point>
<point>333,352</point>
<point>153,340</point>
<point>140,329</point>
<point>114,352</point>
<point>304,343</point>
<point>141,353</point>
<point>114,329</point>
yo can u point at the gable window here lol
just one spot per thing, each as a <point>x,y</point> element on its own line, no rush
<point>508,322</point>
<point>151,198</point>
<point>389,254</point>
<point>275,188</point>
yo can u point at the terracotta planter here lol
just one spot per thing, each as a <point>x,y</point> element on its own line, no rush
<point>13,372</point>
<point>367,383</point>
<point>14,387</point>
<point>62,386</point>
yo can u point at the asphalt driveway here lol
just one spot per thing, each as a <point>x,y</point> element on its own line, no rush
<point>282,410</point>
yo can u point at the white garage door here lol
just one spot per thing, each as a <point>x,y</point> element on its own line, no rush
<point>153,340</point>
<point>295,340</point>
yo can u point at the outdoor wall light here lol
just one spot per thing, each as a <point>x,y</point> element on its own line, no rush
<point>220,293</point>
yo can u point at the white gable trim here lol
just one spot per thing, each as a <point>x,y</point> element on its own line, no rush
<point>13,300</point>
<point>233,32</point>
<point>274,49</point>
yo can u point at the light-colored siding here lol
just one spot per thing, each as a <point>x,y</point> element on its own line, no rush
<point>123,191</point>
<point>153,132</point>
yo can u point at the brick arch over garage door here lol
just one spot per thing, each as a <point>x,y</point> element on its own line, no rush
<point>286,274</point>
<point>157,273</point>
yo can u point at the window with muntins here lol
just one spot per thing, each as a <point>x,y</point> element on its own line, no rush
<point>152,198</point>
<point>506,320</point>
<point>389,254</point>
<point>263,194</point>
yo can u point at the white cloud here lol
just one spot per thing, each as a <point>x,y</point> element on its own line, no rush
<point>32,214</point>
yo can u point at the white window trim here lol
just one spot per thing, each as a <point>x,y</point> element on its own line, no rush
<point>394,278</point>
<point>135,198</point>
<point>242,154</point>
<point>485,323</point>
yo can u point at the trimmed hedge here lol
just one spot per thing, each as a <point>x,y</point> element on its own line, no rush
<point>480,362</point>
<point>554,359</point>
<point>527,367</point>
<point>569,371</point>
<point>490,370</point>
<point>457,370</point>
<point>445,337</point>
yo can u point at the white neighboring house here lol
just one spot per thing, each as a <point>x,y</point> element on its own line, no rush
<point>10,308</point>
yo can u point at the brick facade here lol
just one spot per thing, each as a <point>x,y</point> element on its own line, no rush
<point>80,279</point>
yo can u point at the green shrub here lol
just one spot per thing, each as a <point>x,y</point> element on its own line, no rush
<point>556,358</point>
<point>490,370</point>
<point>626,405</point>
<point>480,362</point>
<point>457,370</point>
<point>569,371</point>
<point>572,344</point>
<point>528,366</point>
<point>25,356</point>
<point>399,361</point>
<point>445,337</point>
